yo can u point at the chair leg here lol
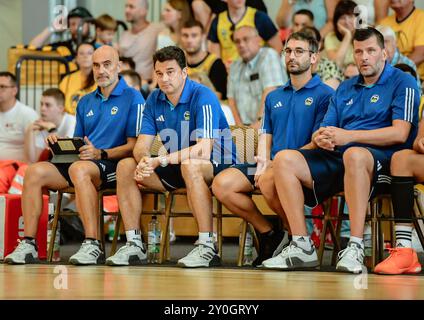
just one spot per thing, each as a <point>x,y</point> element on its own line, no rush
<point>418,216</point>
<point>54,226</point>
<point>165,232</point>
<point>325,220</point>
<point>219,226</point>
<point>115,235</point>
<point>101,230</point>
<point>242,243</point>
<point>340,219</point>
<point>373,234</point>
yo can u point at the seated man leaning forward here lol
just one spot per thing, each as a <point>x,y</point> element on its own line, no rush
<point>371,116</point>
<point>292,114</point>
<point>192,126</point>
<point>109,120</point>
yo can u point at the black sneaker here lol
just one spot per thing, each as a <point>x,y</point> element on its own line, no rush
<point>269,243</point>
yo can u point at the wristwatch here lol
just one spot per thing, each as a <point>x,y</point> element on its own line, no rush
<point>103,154</point>
<point>163,160</point>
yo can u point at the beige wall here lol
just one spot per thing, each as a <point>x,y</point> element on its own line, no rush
<point>10,26</point>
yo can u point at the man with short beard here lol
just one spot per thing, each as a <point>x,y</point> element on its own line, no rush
<point>292,113</point>
<point>370,117</point>
<point>200,60</point>
<point>109,120</point>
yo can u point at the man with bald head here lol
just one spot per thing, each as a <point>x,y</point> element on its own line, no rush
<point>108,119</point>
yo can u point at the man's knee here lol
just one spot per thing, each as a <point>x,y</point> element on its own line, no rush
<point>401,160</point>
<point>357,158</point>
<point>191,171</point>
<point>286,160</point>
<point>223,184</point>
<point>36,173</point>
<point>81,172</point>
<point>126,167</point>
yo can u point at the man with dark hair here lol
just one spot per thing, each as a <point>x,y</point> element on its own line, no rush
<point>192,126</point>
<point>370,117</point>
<point>200,60</point>
<point>132,78</point>
<point>108,120</point>
<point>53,118</point>
<point>301,19</point>
<point>292,113</point>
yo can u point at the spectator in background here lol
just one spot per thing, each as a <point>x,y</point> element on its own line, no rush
<point>350,71</point>
<point>80,82</point>
<point>204,10</point>
<point>238,15</point>
<point>302,18</point>
<point>132,78</point>
<point>53,118</point>
<point>200,60</point>
<point>257,72</point>
<point>327,69</point>
<point>139,43</point>
<point>338,44</point>
<point>175,14</point>
<point>127,63</point>
<point>408,24</point>
<point>323,13</point>
<point>15,117</point>
<point>73,20</point>
<point>106,27</point>
<point>393,54</point>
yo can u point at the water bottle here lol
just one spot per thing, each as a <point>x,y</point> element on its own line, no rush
<point>153,245</point>
<point>111,229</point>
<point>56,246</point>
<point>248,248</point>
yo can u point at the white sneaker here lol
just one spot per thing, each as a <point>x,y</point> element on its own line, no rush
<point>282,244</point>
<point>25,252</point>
<point>351,259</point>
<point>130,254</point>
<point>201,256</point>
<point>293,257</point>
<point>89,253</point>
<point>416,244</point>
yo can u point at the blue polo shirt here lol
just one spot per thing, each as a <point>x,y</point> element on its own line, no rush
<point>109,122</point>
<point>291,116</point>
<point>198,114</point>
<point>394,96</point>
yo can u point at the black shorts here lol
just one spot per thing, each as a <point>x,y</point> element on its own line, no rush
<point>107,172</point>
<point>249,171</point>
<point>327,171</point>
<point>172,179</point>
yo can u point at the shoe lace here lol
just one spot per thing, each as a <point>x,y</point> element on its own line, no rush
<point>22,245</point>
<point>86,247</point>
<point>352,252</point>
<point>290,249</point>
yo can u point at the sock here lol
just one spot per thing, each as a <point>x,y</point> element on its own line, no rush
<point>402,190</point>
<point>206,238</point>
<point>93,240</point>
<point>134,236</point>
<point>403,236</point>
<point>303,242</point>
<point>357,240</point>
<point>31,239</point>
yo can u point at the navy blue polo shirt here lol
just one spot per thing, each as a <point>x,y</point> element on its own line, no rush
<point>197,115</point>
<point>109,122</point>
<point>291,116</point>
<point>356,106</point>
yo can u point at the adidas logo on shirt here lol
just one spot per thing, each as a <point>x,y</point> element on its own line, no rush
<point>350,102</point>
<point>90,113</point>
<point>160,118</point>
<point>278,105</point>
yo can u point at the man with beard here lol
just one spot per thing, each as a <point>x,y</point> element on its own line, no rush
<point>200,60</point>
<point>292,113</point>
<point>370,117</point>
<point>257,72</point>
<point>109,120</point>
<point>139,43</point>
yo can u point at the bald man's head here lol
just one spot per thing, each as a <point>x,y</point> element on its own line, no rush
<point>106,66</point>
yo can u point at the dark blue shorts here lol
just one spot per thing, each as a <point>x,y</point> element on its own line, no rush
<point>172,179</point>
<point>248,170</point>
<point>107,170</point>
<point>327,170</point>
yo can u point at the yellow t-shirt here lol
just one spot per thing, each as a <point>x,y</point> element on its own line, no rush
<point>332,43</point>
<point>71,87</point>
<point>409,33</point>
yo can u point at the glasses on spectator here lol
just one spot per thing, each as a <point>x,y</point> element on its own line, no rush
<point>2,87</point>
<point>297,52</point>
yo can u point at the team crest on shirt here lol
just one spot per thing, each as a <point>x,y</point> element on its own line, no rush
<point>114,111</point>
<point>187,115</point>
<point>375,98</point>
<point>309,101</point>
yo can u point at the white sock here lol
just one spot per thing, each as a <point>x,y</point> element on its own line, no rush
<point>303,242</point>
<point>206,238</point>
<point>134,236</point>
<point>357,240</point>
<point>403,236</point>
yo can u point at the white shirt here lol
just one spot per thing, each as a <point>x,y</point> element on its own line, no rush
<point>65,130</point>
<point>13,124</point>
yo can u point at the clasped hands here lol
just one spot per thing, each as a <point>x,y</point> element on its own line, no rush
<point>329,137</point>
<point>145,168</point>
